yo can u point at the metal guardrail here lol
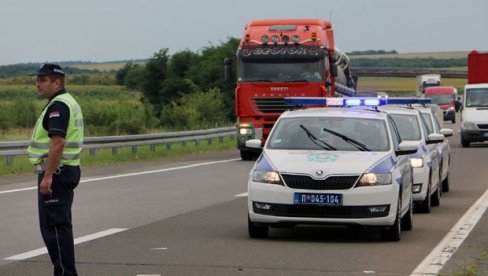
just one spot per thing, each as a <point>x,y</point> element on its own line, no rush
<point>12,149</point>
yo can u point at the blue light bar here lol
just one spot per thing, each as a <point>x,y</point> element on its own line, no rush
<point>353,101</point>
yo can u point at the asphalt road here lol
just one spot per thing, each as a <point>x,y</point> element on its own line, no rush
<point>183,218</point>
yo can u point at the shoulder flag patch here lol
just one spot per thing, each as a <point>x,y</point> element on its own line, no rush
<point>53,114</point>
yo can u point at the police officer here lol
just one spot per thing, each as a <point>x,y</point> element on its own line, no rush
<point>54,150</point>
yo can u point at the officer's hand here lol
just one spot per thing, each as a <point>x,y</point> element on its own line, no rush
<point>45,186</point>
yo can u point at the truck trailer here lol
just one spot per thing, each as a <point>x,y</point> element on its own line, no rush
<point>284,58</point>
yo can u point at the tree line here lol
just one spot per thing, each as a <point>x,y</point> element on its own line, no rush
<point>186,89</point>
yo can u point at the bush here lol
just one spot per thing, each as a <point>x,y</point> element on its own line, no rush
<point>195,111</point>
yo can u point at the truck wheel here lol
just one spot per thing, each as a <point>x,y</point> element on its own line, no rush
<point>464,143</point>
<point>246,155</point>
<point>255,231</point>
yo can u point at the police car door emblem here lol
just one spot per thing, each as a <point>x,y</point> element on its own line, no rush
<point>322,157</point>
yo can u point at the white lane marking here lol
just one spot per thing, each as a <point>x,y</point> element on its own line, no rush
<point>40,251</point>
<point>241,195</point>
<point>84,180</point>
<point>148,275</point>
<point>159,248</point>
<point>439,256</point>
<point>17,190</point>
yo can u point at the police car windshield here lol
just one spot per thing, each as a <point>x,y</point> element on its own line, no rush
<point>428,120</point>
<point>408,126</point>
<point>369,134</point>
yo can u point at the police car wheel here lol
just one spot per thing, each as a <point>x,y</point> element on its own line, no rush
<point>424,207</point>
<point>407,220</point>
<point>436,196</point>
<point>257,231</point>
<point>393,233</point>
<point>445,184</point>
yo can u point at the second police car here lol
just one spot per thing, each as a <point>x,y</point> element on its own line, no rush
<point>332,166</point>
<point>426,162</point>
<point>429,113</point>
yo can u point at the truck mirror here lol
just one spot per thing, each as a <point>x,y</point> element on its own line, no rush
<point>227,69</point>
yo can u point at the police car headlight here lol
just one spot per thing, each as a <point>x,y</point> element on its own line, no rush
<point>373,179</point>
<point>266,177</point>
<point>469,125</point>
<point>417,162</point>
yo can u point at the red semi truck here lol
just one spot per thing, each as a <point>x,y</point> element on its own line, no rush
<point>284,58</point>
<point>474,117</point>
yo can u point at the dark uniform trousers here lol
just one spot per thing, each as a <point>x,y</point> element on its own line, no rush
<point>55,219</point>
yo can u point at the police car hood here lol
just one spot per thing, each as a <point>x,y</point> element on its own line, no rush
<point>330,162</point>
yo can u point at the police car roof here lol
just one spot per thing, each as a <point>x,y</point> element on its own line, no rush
<point>335,112</point>
<point>398,109</point>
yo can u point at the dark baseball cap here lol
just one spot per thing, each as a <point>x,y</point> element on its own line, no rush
<point>50,69</point>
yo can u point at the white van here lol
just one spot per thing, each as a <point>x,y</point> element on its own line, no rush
<point>474,117</point>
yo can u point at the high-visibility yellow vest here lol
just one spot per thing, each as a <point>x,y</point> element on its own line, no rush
<point>73,142</point>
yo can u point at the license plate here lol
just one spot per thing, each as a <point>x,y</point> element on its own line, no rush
<point>485,134</point>
<point>317,199</point>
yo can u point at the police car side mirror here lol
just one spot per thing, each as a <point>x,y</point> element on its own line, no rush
<point>435,138</point>
<point>253,143</point>
<point>407,147</point>
<point>447,132</point>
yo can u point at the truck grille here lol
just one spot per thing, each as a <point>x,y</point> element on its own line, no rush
<point>272,105</point>
<point>330,183</point>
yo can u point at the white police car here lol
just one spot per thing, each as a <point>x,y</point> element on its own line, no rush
<point>434,126</point>
<point>426,161</point>
<point>332,166</point>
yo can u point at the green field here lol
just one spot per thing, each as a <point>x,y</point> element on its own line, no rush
<point>397,85</point>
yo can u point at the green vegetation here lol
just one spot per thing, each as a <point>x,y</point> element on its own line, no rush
<point>107,110</point>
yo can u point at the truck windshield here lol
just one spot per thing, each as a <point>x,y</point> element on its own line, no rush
<point>280,71</point>
<point>440,98</point>
<point>477,97</point>
<point>365,134</point>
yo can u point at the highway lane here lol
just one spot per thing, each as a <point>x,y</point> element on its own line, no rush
<point>199,231</point>
<point>124,202</point>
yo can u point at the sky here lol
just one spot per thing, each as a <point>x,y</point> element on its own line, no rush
<point>110,30</point>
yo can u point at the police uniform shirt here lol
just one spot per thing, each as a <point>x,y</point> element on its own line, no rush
<point>56,119</point>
